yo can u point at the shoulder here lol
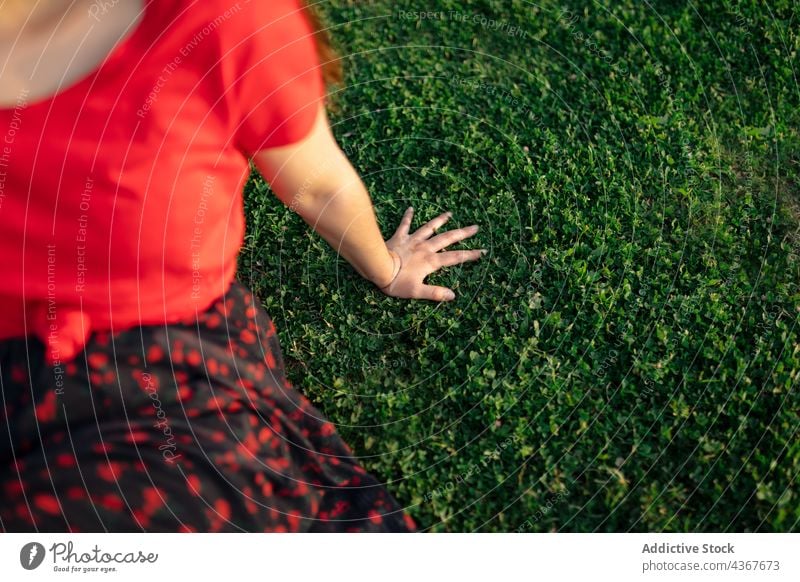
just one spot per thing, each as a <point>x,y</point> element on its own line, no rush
<point>239,25</point>
<point>225,17</point>
<point>223,29</point>
<point>242,15</point>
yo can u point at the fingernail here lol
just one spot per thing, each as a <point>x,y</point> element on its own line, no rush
<point>450,296</point>
<point>484,251</point>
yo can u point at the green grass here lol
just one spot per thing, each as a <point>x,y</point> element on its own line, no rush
<point>626,357</point>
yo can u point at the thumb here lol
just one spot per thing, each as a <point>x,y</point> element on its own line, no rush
<point>436,293</point>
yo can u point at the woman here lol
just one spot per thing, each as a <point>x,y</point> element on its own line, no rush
<point>143,386</point>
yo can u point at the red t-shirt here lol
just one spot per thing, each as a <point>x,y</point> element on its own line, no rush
<point>121,195</point>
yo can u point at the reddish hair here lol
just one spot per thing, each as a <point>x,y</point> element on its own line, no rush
<point>329,60</point>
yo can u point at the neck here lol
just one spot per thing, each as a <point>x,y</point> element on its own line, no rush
<point>33,15</point>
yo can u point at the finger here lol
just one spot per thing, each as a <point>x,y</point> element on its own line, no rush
<point>441,241</point>
<point>435,293</point>
<point>450,258</point>
<point>430,227</point>
<point>405,222</point>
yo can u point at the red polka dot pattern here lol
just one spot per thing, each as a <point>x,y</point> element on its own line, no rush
<point>188,427</point>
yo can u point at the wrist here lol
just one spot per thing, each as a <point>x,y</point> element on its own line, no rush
<point>397,263</point>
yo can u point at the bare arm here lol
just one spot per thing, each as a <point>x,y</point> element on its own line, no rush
<point>315,179</point>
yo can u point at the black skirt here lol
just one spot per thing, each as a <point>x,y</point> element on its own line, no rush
<point>180,427</point>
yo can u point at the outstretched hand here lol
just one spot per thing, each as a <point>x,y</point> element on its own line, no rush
<point>420,257</point>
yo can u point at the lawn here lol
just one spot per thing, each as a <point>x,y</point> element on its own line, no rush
<point>626,356</point>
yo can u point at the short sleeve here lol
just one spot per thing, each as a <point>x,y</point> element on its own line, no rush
<point>273,72</point>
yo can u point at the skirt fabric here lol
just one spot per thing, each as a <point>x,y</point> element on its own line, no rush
<point>185,427</point>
